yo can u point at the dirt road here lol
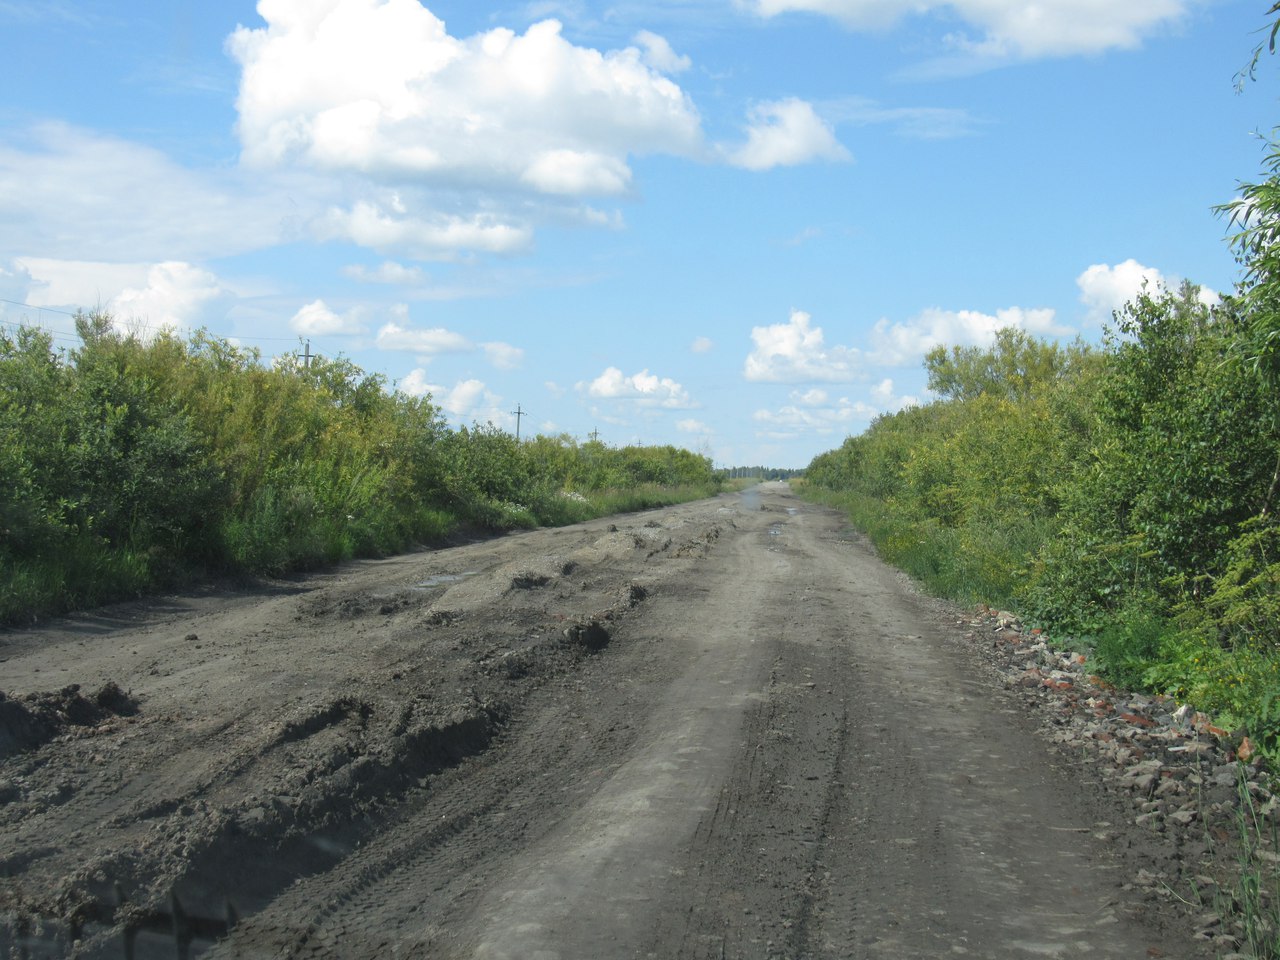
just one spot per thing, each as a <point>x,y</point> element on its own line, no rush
<point>719,730</point>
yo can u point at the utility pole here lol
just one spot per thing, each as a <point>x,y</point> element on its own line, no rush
<point>594,434</point>
<point>518,413</point>
<point>306,357</point>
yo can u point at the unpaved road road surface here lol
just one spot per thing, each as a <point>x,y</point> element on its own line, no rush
<point>714,731</point>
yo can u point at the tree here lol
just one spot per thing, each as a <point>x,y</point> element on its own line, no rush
<point>1250,70</point>
<point>1011,368</point>
<point>1256,214</point>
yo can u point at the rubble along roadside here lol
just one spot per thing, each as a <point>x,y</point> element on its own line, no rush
<point>1201,792</point>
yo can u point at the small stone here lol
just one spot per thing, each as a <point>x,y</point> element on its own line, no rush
<point>1006,619</point>
<point>1145,768</point>
<point>1142,783</point>
<point>1224,778</point>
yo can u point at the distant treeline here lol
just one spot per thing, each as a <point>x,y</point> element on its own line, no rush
<point>127,466</point>
<point>760,473</point>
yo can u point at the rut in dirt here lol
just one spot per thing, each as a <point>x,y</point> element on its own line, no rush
<point>812,771</point>
<point>720,730</point>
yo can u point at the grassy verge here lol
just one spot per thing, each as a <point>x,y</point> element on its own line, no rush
<point>1234,679</point>
<point>88,572</point>
<point>1253,906</point>
<point>975,563</point>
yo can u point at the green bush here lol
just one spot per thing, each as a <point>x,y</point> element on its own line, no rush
<point>1124,495</point>
<point>127,465</point>
<point>1126,649</point>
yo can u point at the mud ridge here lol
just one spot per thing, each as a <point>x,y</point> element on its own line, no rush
<point>302,796</point>
<point>239,860</point>
<point>29,721</point>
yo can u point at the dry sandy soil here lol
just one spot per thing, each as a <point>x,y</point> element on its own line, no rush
<point>719,730</point>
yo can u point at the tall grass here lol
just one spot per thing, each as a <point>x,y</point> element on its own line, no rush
<point>127,466</point>
<point>980,562</point>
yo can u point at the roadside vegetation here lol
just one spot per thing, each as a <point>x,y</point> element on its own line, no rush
<point>129,466</point>
<point>1124,494</point>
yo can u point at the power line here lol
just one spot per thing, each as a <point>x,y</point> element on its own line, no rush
<point>32,306</point>
<point>18,325</point>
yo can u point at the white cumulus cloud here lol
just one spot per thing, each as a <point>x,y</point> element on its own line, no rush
<point>1009,27</point>
<point>434,236</point>
<point>15,285</point>
<point>896,344</point>
<point>142,298</point>
<point>692,426</point>
<point>811,398</point>
<point>785,133</point>
<point>421,144</point>
<point>503,355</point>
<point>658,54</point>
<point>424,342</point>
<point>416,384</point>
<point>316,320</point>
<point>67,193</point>
<point>1106,288</point>
<point>701,345</point>
<point>645,388</point>
<point>380,86</point>
<point>574,172</point>
<point>888,399</point>
<point>815,412</point>
<point>388,272</point>
<point>174,296</point>
<point>77,284</point>
<point>795,418</point>
<point>467,400</point>
<point>796,352</point>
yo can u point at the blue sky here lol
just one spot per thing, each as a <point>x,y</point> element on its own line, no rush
<point>732,225</point>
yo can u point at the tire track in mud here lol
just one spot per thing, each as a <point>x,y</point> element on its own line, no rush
<point>884,805</point>
<point>214,826</point>
<point>817,825</point>
<point>747,888</point>
<point>559,752</point>
<point>777,753</point>
<point>466,816</point>
<point>589,887</point>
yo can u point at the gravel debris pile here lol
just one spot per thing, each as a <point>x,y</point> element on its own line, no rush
<point>1198,788</point>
